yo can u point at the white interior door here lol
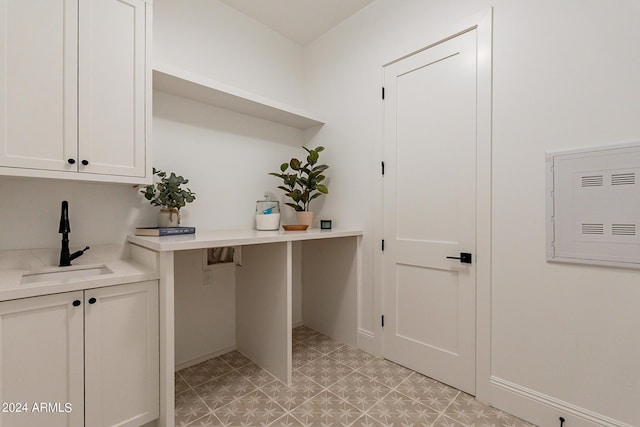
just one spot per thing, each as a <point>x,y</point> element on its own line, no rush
<point>430,211</point>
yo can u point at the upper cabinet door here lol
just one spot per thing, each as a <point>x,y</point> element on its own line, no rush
<point>38,94</point>
<point>111,88</point>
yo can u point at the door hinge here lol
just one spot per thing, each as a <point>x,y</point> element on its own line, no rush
<point>382,92</point>
<point>382,320</point>
<point>382,245</point>
<point>382,164</point>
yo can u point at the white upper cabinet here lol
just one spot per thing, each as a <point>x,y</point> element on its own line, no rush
<point>38,107</point>
<point>111,87</point>
<point>76,98</point>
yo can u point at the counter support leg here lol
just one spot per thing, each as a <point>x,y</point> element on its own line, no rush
<point>263,307</point>
<point>330,278</point>
<point>167,341</point>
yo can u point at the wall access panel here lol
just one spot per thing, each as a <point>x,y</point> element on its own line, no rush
<point>593,206</point>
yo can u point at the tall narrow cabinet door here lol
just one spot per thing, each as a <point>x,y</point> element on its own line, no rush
<point>38,89</point>
<point>41,361</point>
<point>111,87</point>
<point>122,355</point>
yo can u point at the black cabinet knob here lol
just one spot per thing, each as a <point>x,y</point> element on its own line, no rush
<point>92,300</point>
<point>71,161</point>
<point>85,162</point>
<point>76,303</point>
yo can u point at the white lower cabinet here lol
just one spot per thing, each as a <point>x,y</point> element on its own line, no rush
<point>41,351</point>
<point>84,358</point>
<point>122,351</point>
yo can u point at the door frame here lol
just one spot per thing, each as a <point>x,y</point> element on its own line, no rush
<point>483,24</point>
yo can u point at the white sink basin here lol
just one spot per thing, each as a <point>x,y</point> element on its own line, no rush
<point>63,274</point>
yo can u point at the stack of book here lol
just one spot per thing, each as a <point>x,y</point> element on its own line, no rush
<point>164,231</point>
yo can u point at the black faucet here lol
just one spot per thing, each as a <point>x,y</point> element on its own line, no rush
<point>65,229</point>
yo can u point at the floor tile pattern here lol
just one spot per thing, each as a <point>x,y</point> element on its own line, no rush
<point>333,385</point>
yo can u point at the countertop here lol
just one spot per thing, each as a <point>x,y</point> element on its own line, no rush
<point>220,238</point>
<point>14,264</point>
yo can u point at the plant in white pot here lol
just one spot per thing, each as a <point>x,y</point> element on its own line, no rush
<point>169,195</point>
<point>302,183</point>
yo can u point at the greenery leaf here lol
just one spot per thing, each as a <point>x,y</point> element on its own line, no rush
<point>168,192</point>
<point>312,158</point>
<point>296,207</point>
<point>304,184</point>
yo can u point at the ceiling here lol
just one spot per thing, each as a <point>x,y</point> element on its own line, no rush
<point>299,20</point>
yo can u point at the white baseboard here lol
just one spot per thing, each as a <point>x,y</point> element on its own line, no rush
<point>204,357</point>
<point>367,342</point>
<point>297,324</point>
<point>542,409</point>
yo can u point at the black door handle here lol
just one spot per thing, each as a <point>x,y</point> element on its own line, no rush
<point>465,257</point>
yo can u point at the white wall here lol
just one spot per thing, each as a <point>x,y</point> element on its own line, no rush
<point>210,38</point>
<point>565,75</point>
<point>203,36</point>
<point>205,310</point>
<point>226,155</point>
<point>577,83</point>
<point>344,78</point>
<point>99,213</point>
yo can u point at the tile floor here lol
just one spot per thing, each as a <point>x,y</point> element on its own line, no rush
<point>333,385</point>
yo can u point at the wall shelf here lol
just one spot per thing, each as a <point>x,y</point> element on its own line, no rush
<point>186,84</point>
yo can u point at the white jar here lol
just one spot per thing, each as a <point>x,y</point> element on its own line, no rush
<point>268,222</point>
<point>267,214</point>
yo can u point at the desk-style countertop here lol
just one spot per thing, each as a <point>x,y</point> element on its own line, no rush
<point>220,238</point>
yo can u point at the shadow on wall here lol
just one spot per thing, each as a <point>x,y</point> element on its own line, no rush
<point>223,121</point>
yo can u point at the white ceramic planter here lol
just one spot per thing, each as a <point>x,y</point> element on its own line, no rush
<point>168,218</point>
<point>305,218</point>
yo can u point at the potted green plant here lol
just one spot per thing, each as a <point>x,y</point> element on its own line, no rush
<point>169,195</point>
<point>303,182</point>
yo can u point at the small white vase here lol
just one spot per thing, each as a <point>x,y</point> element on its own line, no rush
<point>168,217</point>
<point>305,218</point>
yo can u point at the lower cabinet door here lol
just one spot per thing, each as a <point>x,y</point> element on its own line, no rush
<point>41,361</point>
<point>122,355</point>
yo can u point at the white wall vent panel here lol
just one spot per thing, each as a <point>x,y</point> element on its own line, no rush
<point>593,206</point>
